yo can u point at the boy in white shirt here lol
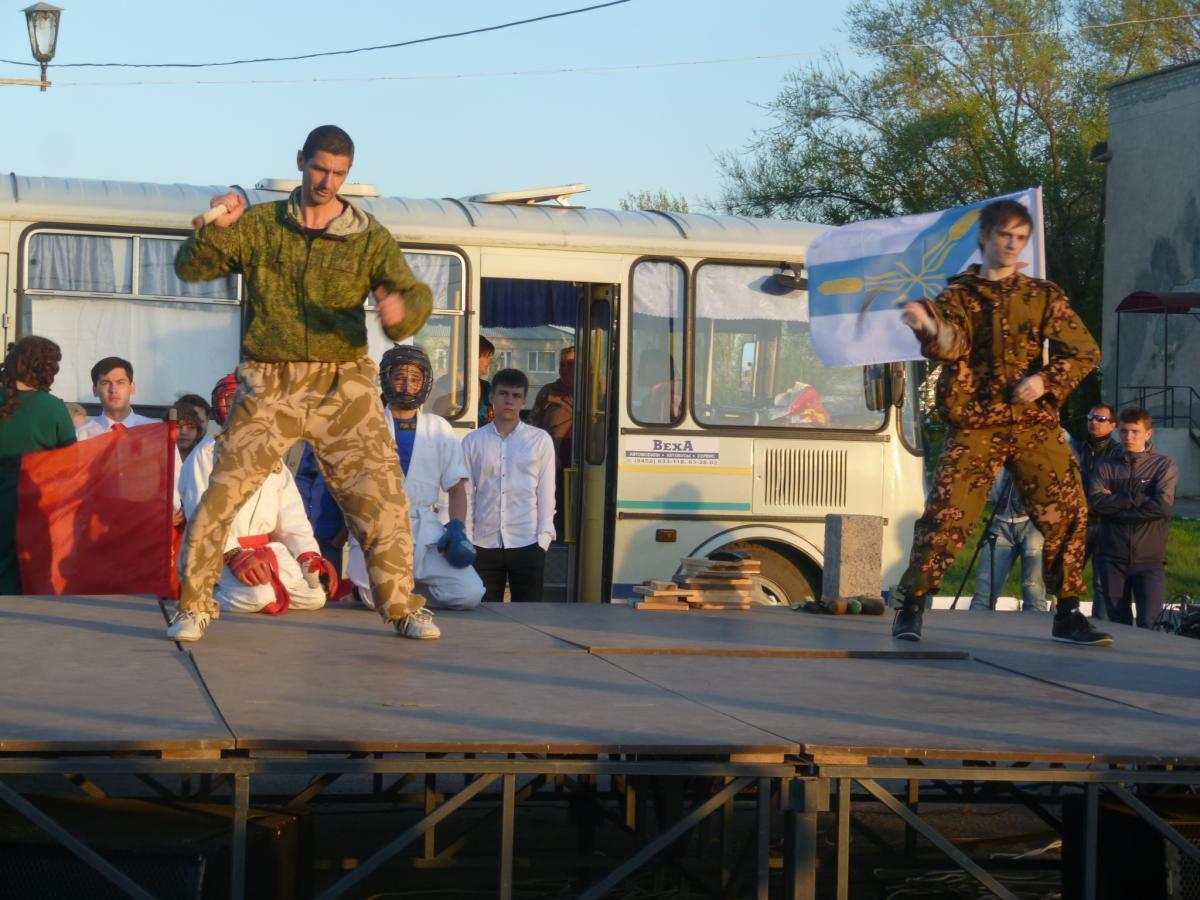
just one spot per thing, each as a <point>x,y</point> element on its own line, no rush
<point>511,466</point>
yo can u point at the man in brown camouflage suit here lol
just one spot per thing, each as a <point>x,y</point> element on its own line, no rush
<point>1001,400</point>
<point>308,262</point>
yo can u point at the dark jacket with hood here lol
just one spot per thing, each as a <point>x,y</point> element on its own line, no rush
<point>1134,495</point>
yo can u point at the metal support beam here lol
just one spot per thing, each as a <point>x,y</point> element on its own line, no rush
<point>1157,822</point>
<point>317,787</point>
<point>728,844</point>
<point>762,857</point>
<point>844,794</point>
<point>963,861</point>
<point>393,847</point>
<point>664,839</point>
<point>800,839</point>
<point>507,834</point>
<point>241,810</point>
<point>72,843</point>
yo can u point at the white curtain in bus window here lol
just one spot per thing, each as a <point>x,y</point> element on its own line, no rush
<point>443,336</point>
<point>73,262</point>
<point>656,339</point>
<point>157,278</point>
<point>754,361</point>
<point>83,292</point>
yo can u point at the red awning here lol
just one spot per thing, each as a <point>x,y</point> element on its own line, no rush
<point>1146,302</point>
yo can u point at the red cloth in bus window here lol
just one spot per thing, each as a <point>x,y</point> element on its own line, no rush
<point>95,517</point>
<point>804,406</point>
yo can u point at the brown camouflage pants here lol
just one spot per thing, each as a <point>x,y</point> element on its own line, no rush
<point>334,406</point>
<point>1043,469</point>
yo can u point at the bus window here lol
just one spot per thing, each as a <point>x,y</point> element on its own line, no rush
<point>656,341</point>
<point>754,364</point>
<point>444,334</point>
<point>100,295</point>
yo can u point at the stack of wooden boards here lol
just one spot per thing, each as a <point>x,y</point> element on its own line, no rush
<point>708,584</point>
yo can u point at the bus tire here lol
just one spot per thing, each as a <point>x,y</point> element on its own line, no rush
<point>784,578</point>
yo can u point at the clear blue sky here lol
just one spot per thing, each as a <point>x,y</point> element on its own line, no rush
<point>422,136</point>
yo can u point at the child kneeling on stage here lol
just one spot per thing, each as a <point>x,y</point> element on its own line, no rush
<point>272,561</point>
<point>435,476</point>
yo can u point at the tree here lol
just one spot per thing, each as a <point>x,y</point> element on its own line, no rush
<point>967,99</point>
<point>660,200</point>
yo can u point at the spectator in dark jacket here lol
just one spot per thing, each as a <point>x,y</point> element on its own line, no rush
<point>1134,495</point>
<point>1099,444</point>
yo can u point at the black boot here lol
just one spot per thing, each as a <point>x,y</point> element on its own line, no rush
<point>907,624</point>
<point>1072,627</point>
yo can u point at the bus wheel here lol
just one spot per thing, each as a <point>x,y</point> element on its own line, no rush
<point>782,580</point>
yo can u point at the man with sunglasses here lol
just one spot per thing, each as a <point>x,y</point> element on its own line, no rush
<point>1098,445</point>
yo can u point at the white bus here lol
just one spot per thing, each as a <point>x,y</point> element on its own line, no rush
<point>703,419</point>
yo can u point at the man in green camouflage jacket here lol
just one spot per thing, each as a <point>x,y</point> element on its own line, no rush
<point>1001,400</point>
<point>309,262</point>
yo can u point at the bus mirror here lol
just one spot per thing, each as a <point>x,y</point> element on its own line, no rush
<point>875,387</point>
<point>790,279</point>
<point>899,383</point>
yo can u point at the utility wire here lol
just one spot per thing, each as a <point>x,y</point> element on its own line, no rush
<point>266,59</point>
<point>607,70</point>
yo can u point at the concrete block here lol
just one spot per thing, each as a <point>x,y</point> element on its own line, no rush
<point>853,557</point>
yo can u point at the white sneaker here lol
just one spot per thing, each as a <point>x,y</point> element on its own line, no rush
<point>418,625</point>
<point>188,625</point>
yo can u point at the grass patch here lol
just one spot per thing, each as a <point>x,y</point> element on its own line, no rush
<point>1183,564</point>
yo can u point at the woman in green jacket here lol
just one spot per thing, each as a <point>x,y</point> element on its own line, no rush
<point>30,419</point>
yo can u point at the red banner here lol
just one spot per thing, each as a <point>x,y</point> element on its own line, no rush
<point>95,517</point>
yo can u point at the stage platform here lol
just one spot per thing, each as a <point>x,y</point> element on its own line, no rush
<point>599,688</point>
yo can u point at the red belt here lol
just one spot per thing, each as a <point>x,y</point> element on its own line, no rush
<point>282,598</point>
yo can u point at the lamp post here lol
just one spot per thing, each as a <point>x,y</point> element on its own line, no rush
<point>42,19</point>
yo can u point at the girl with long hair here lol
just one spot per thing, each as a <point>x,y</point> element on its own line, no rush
<point>30,419</point>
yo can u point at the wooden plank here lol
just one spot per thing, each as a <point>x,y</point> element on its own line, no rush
<point>708,582</point>
<point>661,607</point>
<point>651,592</point>
<point>98,674</point>
<point>337,679</point>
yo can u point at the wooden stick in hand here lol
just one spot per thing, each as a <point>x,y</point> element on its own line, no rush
<point>210,215</point>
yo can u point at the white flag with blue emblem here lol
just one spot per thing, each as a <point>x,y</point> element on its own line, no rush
<point>860,274</point>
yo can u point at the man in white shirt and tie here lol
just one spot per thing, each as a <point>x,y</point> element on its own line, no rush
<point>511,493</point>
<point>112,383</point>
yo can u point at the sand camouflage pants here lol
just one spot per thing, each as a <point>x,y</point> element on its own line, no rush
<point>1046,473</point>
<point>336,407</point>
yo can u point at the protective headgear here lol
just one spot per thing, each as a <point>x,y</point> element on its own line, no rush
<point>405,355</point>
<point>222,397</point>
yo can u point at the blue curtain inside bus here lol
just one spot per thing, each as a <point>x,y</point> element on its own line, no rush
<point>522,303</point>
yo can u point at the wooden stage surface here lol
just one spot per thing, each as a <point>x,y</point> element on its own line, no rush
<point>96,674</point>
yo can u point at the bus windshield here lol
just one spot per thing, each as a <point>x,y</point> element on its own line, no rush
<point>754,362</point>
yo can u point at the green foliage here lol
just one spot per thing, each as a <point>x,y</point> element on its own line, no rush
<point>659,200</point>
<point>1183,564</point>
<point>966,99</point>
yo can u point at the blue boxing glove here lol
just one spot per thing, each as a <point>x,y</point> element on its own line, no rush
<point>453,545</point>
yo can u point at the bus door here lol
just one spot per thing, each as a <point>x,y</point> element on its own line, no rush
<point>589,517</point>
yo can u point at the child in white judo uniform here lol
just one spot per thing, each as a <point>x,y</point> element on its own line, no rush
<point>435,475</point>
<point>272,561</point>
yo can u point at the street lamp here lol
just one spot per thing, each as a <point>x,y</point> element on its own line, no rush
<point>42,19</point>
